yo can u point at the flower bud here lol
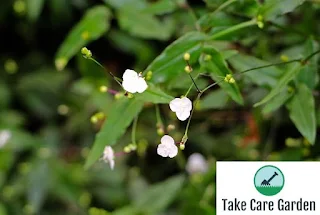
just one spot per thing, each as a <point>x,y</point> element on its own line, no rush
<point>86,52</point>
<point>186,56</point>
<point>284,58</point>
<point>103,89</point>
<point>182,146</point>
<point>160,131</point>
<point>207,57</point>
<point>187,69</point>
<point>118,95</point>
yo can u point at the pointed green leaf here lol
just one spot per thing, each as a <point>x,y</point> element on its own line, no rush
<point>144,25</point>
<point>282,83</point>
<point>218,69</point>
<point>155,199</point>
<point>271,9</point>
<point>302,112</point>
<point>92,26</point>
<point>120,116</point>
<point>277,101</point>
<point>170,63</point>
<point>161,7</point>
<point>309,73</point>
<point>34,8</point>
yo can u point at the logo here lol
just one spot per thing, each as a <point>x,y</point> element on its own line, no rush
<point>269,180</point>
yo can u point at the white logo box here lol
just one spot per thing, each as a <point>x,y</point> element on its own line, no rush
<point>299,196</point>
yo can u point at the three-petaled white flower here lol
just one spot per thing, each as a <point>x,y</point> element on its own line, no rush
<point>182,107</point>
<point>167,147</point>
<point>133,82</point>
<point>5,135</point>
<point>108,156</point>
<point>196,164</point>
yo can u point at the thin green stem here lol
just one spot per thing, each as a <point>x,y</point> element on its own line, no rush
<point>112,75</point>
<point>193,81</point>
<point>310,56</point>
<point>158,117</point>
<point>224,5</point>
<point>270,65</point>
<point>134,128</point>
<point>233,29</point>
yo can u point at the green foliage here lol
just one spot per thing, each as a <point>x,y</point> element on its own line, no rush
<point>249,67</point>
<point>92,26</point>
<point>302,112</point>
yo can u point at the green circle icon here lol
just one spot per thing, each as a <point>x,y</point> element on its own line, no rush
<point>269,180</point>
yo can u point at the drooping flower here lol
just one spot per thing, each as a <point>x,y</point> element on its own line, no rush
<point>196,164</point>
<point>5,135</point>
<point>182,107</point>
<point>167,147</point>
<point>108,156</point>
<point>133,82</point>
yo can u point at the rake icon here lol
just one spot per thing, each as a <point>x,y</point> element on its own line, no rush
<point>267,182</point>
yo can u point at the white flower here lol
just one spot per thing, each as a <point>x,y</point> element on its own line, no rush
<point>167,148</point>
<point>182,107</point>
<point>196,164</point>
<point>5,135</point>
<point>108,156</point>
<point>133,82</point>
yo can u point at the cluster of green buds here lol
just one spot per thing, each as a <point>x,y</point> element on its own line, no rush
<point>97,117</point>
<point>86,52</point>
<point>260,22</point>
<point>149,75</point>
<point>129,148</point>
<point>229,79</point>
<point>188,68</point>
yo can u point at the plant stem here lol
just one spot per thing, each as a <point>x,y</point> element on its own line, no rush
<point>301,60</point>
<point>194,83</point>
<point>158,117</point>
<point>233,29</point>
<point>310,56</point>
<point>112,75</point>
<point>134,128</point>
<point>270,65</point>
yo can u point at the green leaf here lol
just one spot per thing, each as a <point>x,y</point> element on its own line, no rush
<point>154,95</point>
<point>161,7</point>
<point>170,63</point>
<point>214,100</point>
<point>277,101</point>
<point>218,69</point>
<point>120,116</point>
<point>302,112</point>
<point>271,9</point>
<point>39,182</point>
<point>144,25</point>
<point>282,83</point>
<point>34,8</point>
<point>92,26</point>
<point>262,77</point>
<point>159,196</point>
<point>309,73</point>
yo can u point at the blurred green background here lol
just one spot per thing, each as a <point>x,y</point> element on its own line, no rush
<point>46,104</point>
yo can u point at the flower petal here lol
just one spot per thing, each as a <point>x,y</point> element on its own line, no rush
<point>166,139</point>
<point>173,151</point>
<point>183,115</point>
<point>141,85</point>
<point>186,103</point>
<point>175,104</point>
<point>129,74</point>
<point>130,85</point>
<point>162,150</point>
